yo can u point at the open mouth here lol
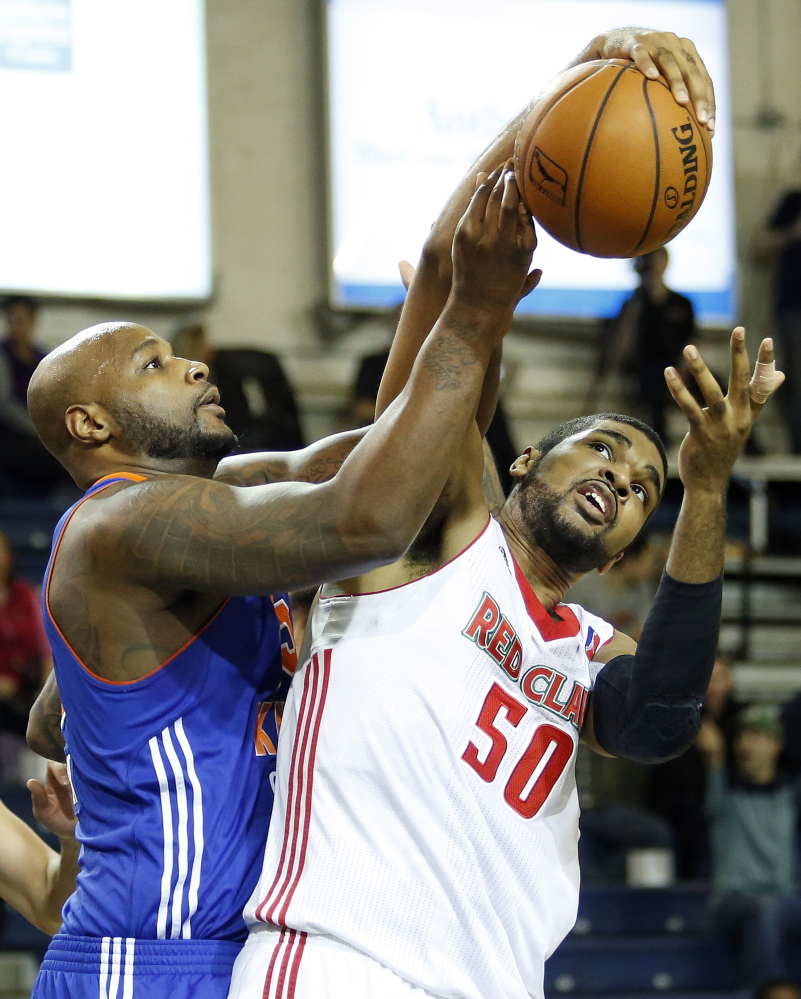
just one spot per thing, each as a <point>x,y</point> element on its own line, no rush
<point>211,398</point>
<point>597,502</point>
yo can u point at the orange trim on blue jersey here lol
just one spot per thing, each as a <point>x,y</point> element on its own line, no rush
<point>132,476</point>
<point>390,589</point>
<point>57,545</point>
<point>565,626</point>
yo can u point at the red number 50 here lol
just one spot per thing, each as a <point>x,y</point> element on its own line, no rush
<point>547,754</point>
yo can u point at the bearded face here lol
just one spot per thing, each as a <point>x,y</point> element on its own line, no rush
<point>571,547</point>
<point>157,437</point>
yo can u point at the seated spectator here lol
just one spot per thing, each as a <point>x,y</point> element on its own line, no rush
<point>24,659</point>
<point>259,402</point>
<point>753,813</point>
<point>677,789</point>
<point>25,465</point>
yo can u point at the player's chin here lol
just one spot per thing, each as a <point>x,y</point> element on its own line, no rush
<point>580,519</point>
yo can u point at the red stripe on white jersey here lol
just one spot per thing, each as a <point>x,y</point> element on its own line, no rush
<point>282,974</point>
<point>303,710</point>
<point>275,905</point>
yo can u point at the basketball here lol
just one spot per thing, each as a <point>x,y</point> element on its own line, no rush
<point>609,164</point>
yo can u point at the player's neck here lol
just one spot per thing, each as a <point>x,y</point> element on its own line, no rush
<point>150,468</point>
<point>545,577</point>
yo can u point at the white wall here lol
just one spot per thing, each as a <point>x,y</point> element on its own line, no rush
<point>267,184</point>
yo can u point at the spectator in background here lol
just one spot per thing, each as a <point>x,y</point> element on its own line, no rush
<point>24,659</point>
<point>782,241</point>
<point>24,462</point>
<point>753,813</point>
<point>677,789</point>
<point>652,329</point>
<point>259,403</point>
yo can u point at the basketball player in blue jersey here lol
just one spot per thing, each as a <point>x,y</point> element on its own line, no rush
<point>171,638</point>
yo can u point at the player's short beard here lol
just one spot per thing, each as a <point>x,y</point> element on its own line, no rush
<point>566,544</point>
<point>156,438</point>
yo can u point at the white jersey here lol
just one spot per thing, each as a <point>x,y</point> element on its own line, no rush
<point>426,811</point>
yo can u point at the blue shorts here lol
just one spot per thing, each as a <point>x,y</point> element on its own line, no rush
<point>123,968</point>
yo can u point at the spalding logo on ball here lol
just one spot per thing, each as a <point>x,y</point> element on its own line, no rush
<point>609,164</point>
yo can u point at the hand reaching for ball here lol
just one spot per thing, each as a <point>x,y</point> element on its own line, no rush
<point>493,246</point>
<point>719,429</point>
<point>661,52</point>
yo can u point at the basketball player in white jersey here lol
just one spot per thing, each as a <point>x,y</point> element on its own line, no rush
<point>424,839</point>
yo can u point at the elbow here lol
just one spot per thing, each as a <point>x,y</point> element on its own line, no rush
<point>36,743</point>
<point>49,924</point>
<point>40,743</point>
<point>660,730</point>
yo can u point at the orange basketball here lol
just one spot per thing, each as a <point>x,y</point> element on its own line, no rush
<point>608,163</point>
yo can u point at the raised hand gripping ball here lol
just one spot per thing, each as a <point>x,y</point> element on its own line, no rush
<point>608,163</point>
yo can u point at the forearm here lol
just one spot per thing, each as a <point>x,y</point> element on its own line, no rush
<point>427,423</point>
<point>62,872</point>
<point>697,549</point>
<point>318,462</point>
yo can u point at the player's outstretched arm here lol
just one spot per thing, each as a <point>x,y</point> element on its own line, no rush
<point>647,705</point>
<point>318,462</point>
<point>34,879</point>
<point>189,533</point>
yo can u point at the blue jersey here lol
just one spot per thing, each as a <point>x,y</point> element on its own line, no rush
<point>173,773</point>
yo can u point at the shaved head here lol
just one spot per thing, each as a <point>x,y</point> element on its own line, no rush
<point>114,394</point>
<point>78,372</point>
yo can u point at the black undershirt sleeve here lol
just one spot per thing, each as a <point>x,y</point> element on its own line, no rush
<point>647,707</point>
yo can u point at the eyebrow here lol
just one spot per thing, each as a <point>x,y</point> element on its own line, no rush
<point>653,475</point>
<point>144,345</point>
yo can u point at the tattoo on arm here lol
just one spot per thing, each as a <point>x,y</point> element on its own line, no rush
<point>207,536</point>
<point>317,463</point>
<point>44,724</point>
<point>447,359</point>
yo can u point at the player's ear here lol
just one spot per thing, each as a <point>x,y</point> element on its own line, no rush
<point>88,424</point>
<point>602,570</point>
<point>524,464</point>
